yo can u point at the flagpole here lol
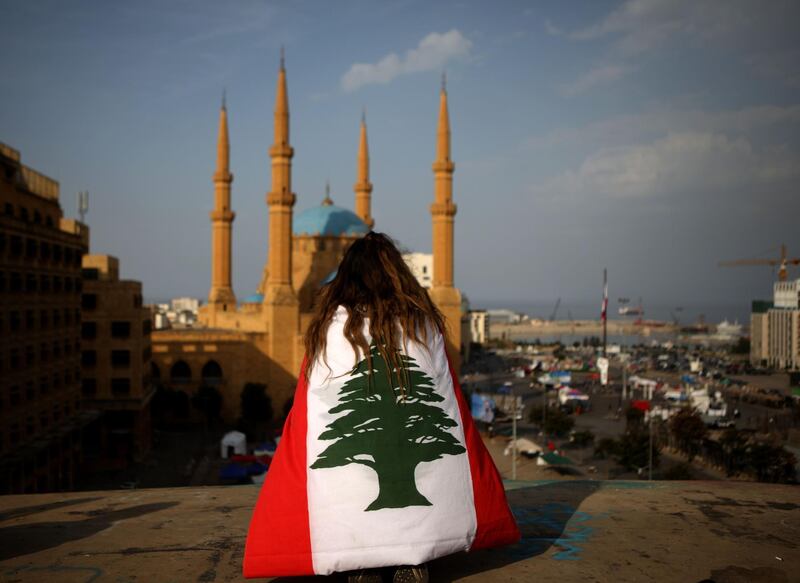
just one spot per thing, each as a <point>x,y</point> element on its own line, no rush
<point>605,311</point>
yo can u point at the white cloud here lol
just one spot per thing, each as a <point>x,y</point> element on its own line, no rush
<point>552,29</point>
<point>597,76</point>
<point>782,65</point>
<point>625,129</point>
<point>693,163</point>
<point>641,25</point>
<point>432,53</point>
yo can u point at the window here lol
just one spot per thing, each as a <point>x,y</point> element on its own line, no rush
<point>3,284</point>
<point>16,283</point>
<point>14,434</point>
<point>89,330</point>
<point>44,283</point>
<point>147,327</point>
<point>44,420</point>
<point>30,355</point>
<point>56,318</point>
<point>29,320</point>
<point>44,320</point>
<point>37,217</point>
<point>57,253</point>
<point>89,301</point>
<point>89,387</point>
<point>121,387</point>
<point>57,284</point>
<point>15,396</point>
<point>89,358</point>
<point>23,214</point>
<point>31,283</point>
<point>14,360</point>
<point>90,273</point>
<point>44,251</point>
<point>44,386</point>
<point>31,248</point>
<point>120,329</point>
<point>56,350</point>
<point>30,426</point>
<point>16,321</point>
<point>30,392</point>
<point>120,358</point>
<point>16,245</point>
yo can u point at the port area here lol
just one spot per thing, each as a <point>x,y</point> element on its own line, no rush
<point>573,530</point>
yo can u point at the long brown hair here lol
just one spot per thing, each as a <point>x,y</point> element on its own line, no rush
<point>374,282</point>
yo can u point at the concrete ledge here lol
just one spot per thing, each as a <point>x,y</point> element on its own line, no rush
<point>572,531</point>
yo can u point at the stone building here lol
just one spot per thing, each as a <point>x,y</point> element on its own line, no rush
<point>116,360</point>
<point>260,338</point>
<point>775,328</point>
<point>40,301</point>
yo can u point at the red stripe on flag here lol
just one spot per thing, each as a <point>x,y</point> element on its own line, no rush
<point>496,525</point>
<point>279,540</point>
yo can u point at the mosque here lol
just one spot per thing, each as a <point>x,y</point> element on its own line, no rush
<point>259,339</point>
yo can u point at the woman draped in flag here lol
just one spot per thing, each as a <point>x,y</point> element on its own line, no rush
<point>380,464</point>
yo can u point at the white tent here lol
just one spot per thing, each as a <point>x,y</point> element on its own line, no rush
<point>525,446</point>
<point>233,443</point>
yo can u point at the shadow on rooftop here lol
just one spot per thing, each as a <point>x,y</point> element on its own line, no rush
<point>542,513</point>
<point>24,539</point>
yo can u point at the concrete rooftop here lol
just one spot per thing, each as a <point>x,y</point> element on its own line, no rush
<point>572,531</point>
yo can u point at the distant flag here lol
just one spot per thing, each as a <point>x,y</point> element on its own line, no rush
<point>604,307</point>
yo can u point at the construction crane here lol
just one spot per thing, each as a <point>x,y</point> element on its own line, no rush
<point>783,262</point>
<point>555,310</point>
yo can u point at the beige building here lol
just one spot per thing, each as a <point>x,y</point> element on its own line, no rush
<point>421,265</point>
<point>259,338</point>
<point>40,302</point>
<point>775,328</point>
<point>116,360</point>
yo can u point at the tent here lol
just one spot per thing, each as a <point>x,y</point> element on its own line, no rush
<point>233,442</point>
<point>524,446</point>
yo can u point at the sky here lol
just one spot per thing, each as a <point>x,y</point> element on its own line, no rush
<point>654,138</point>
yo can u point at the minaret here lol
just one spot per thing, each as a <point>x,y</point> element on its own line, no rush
<point>221,297</point>
<point>363,187</point>
<point>443,213</point>
<point>281,308</point>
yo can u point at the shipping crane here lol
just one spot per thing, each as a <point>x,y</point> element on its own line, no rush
<point>783,262</point>
<point>555,310</point>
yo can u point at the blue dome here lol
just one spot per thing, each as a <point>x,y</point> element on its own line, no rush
<point>329,220</point>
<point>253,299</point>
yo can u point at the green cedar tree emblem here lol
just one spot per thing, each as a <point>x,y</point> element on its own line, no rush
<point>387,431</point>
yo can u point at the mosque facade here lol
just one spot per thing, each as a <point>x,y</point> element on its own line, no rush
<point>259,338</point>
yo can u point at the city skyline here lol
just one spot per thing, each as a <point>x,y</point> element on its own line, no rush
<point>652,138</point>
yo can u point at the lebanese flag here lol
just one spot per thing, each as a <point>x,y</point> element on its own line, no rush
<point>370,475</point>
<point>604,307</point>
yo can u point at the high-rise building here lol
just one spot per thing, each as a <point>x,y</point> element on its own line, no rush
<point>775,328</point>
<point>116,360</point>
<point>40,300</point>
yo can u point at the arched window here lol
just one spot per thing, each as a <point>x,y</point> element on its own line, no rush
<point>180,372</point>
<point>155,372</point>
<point>212,373</point>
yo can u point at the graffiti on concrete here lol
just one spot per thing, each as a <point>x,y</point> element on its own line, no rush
<point>555,524</point>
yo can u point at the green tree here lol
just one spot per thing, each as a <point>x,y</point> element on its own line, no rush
<point>633,450</point>
<point>389,429</point>
<point>772,463</point>
<point>734,451</point>
<point>634,418</point>
<point>689,430</point>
